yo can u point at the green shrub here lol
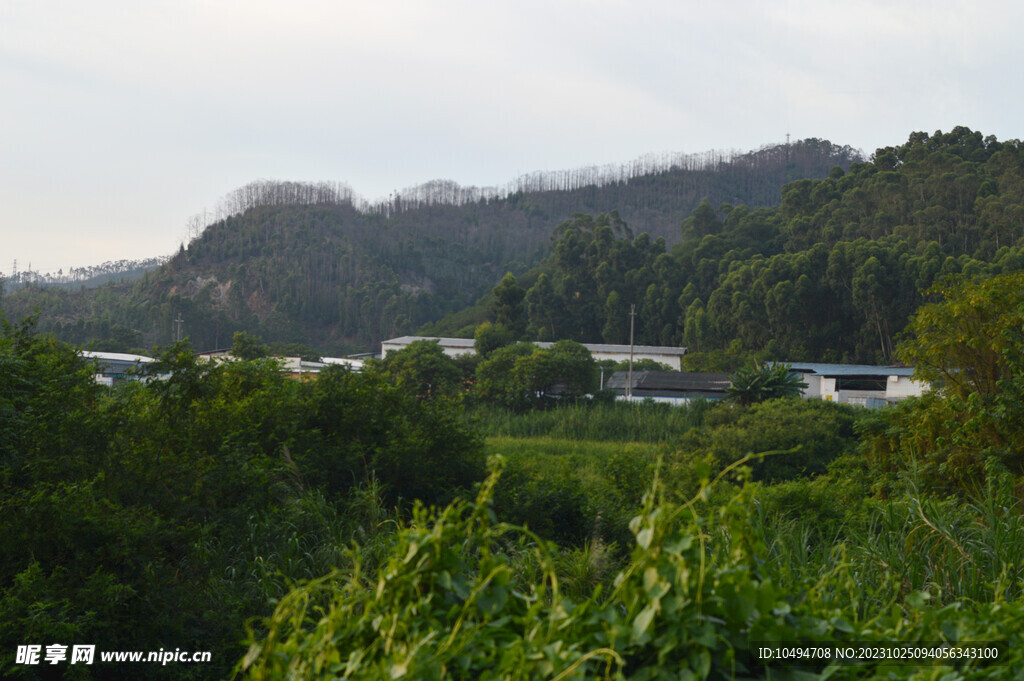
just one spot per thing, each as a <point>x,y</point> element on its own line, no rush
<point>810,433</point>
<point>594,421</point>
<point>573,491</point>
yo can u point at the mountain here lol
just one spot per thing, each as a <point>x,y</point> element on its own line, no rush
<point>312,264</point>
<point>833,273</point>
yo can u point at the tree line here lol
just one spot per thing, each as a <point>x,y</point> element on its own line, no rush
<point>832,274</point>
<point>89,276</point>
<point>799,155</point>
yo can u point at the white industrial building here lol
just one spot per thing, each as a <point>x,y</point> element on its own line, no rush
<point>453,347</point>
<point>293,366</point>
<point>112,367</point>
<point>859,384</point>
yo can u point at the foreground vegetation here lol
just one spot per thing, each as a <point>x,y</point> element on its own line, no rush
<point>782,521</point>
<point>326,524</point>
<point>165,514</point>
<point>464,597</point>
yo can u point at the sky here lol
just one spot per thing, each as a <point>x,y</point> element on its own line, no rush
<point>120,121</point>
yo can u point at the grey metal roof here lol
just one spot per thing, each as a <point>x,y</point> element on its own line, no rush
<point>447,342</point>
<point>116,357</point>
<point>848,369</point>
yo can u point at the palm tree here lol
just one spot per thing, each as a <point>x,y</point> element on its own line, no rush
<point>758,383</point>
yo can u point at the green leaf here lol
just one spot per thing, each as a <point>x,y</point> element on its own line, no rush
<point>644,537</point>
<point>643,621</point>
<point>678,544</point>
<point>841,625</point>
<point>703,664</point>
<point>493,600</point>
<point>918,599</point>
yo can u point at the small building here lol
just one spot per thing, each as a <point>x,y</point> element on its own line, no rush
<point>112,367</point>
<point>453,347</point>
<point>306,369</point>
<point>352,363</point>
<point>858,384</point>
<point>673,387</point>
<point>293,366</point>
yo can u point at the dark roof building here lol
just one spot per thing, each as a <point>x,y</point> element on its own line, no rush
<point>671,386</point>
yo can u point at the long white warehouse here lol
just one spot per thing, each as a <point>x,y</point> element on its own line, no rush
<point>454,347</point>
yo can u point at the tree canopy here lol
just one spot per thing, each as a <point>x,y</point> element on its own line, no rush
<point>166,512</point>
<point>968,343</point>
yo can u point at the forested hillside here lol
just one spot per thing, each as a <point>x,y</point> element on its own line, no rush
<point>831,274</point>
<point>312,264</point>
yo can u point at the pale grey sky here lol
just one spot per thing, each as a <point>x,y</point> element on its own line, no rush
<point>121,120</point>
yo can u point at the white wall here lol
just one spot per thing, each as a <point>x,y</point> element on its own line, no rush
<point>904,386</point>
<point>451,351</point>
<point>824,388</point>
<point>674,361</point>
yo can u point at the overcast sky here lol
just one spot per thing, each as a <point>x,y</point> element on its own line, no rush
<point>121,120</point>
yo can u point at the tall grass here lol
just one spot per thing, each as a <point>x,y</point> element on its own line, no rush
<point>952,549</point>
<point>577,453</point>
<point>827,540</point>
<point>615,422</point>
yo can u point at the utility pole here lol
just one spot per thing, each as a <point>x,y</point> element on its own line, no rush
<point>177,331</point>
<point>629,378</point>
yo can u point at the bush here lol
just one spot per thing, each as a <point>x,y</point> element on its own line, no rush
<point>573,491</point>
<point>808,433</point>
<point>523,376</point>
<point>360,426</point>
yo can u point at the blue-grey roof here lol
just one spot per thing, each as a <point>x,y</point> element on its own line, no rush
<point>848,369</point>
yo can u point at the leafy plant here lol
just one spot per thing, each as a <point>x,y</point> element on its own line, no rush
<point>757,383</point>
<point>969,344</point>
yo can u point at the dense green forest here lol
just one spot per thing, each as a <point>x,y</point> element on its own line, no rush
<point>347,526</point>
<point>831,274</point>
<point>309,264</point>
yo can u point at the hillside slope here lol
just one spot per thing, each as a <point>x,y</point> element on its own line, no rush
<point>296,264</point>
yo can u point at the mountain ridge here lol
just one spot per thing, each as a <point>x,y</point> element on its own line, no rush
<point>301,263</point>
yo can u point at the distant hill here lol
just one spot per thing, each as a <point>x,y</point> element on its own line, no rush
<point>313,264</point>
<point>832,274</point>
<point>118,271</point>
